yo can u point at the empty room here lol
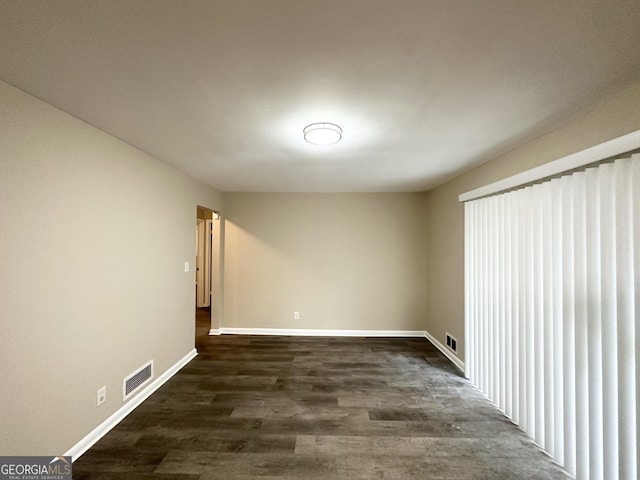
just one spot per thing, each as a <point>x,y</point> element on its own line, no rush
<point>348,239</point>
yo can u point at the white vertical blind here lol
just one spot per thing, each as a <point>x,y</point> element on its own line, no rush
<point>552,314</point>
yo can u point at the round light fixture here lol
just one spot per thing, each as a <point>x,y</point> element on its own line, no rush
<point>322,133</point>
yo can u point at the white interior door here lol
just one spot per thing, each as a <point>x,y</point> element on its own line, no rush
<point>201,292</point>
<point>206,284</point>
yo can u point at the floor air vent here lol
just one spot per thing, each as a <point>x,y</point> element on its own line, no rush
<point>135,381</point>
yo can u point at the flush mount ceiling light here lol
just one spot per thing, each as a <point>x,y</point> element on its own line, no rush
<point>322,133</point>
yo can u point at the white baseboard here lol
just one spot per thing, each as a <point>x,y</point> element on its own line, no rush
<point>101,430</point>
<point>445,351</point>
<point>308,332</point>
<point>304,332</point>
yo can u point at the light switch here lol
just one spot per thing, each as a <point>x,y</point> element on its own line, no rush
<point>186,266</point>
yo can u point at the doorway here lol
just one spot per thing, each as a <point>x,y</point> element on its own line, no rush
<point>206,273</point>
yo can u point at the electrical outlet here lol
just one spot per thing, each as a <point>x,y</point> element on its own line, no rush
<point>101,396</point>
<point>296,315</point>
<point>186,266</point>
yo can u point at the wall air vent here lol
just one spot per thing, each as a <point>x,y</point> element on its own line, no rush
<point>452,343</point>
<point>136,380</point>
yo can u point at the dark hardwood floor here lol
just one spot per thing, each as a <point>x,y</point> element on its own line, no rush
<point>288,408</point>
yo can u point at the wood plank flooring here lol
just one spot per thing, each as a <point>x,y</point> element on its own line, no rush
<point>288,408</point>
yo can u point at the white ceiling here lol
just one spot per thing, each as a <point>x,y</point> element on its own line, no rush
<point>424,89</point>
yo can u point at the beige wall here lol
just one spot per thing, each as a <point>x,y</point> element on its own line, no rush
<point>615,116</point>
<point>92,286</point>
<point>344,261</point>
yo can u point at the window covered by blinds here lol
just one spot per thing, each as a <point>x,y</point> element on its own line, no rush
<point>552,296</point>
